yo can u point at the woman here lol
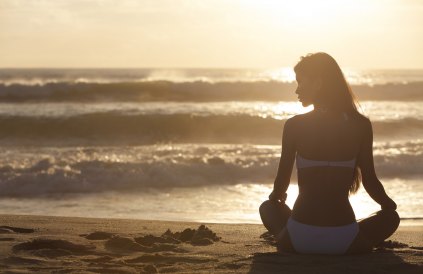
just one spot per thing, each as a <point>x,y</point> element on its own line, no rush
<point>332,146</point>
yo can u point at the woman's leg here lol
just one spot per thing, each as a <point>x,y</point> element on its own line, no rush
<point>274,216</point>
<point>373,230</point>
<point>379,226</point>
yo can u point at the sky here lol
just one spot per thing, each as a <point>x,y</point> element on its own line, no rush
<point>362,34</point>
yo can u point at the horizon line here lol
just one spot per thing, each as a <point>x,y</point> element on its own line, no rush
<point>199,68</point>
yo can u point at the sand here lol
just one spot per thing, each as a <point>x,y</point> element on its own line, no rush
<point>86,245</point>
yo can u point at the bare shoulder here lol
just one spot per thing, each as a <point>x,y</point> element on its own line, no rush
<point>298,119</point>
<point>293,123</point>
<point>297,123</point>
<point>364,123</point>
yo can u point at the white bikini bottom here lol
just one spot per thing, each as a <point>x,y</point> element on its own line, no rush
<point>310,239</point>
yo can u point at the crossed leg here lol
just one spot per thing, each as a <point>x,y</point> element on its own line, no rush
<point>374,229</point>
<point>274,216</point>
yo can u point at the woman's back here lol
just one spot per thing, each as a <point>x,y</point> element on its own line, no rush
<point>327,145</point>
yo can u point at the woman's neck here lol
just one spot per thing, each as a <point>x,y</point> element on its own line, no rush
<point>322,108</point>
<point>332,112</point>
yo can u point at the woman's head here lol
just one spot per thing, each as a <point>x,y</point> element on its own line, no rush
<point>322,83</point>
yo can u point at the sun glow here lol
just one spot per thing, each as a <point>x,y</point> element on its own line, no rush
<point>283,74</point>
<point>209,33</point>
<point>314,13</point>
<point>309,14</point>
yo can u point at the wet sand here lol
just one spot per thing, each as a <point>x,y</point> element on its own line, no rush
<point>87,245</point>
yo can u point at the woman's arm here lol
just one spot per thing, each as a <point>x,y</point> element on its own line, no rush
<point>286,162</point>
<point>370,181</point>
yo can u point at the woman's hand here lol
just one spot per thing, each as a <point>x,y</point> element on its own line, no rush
<point>275,196</point>
<point>389,204</point>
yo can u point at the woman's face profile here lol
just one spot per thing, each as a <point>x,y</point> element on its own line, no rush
<point>307,89</point>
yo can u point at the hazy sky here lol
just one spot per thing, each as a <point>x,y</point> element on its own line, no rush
<point>209,33</point>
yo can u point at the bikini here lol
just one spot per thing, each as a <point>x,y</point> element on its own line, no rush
<point>311,239</point>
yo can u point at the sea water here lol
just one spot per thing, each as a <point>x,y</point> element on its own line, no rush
<point>195,145</point>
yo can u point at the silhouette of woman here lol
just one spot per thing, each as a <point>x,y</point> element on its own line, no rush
<point>332,147</point>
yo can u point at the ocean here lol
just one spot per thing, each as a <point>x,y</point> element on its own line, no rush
<point>183,144</point>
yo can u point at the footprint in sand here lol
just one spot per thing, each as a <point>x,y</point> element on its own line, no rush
<point>98,235</point>
<point>127,245</point>
<point>150,269</point>
<point>99,259</point>
<point>14,260</point>
<point>391,244</point>
<point>167,259</point>
<point>268,238</point>
<point>4,229</point>
<point>232,266</point>
<point>124,244</point>
<point>53,248</point>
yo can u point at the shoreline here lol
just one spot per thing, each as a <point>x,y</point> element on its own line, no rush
<point>406,221</point>
<point>99,245</point>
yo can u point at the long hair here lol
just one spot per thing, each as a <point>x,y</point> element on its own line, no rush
<point>335,93</point>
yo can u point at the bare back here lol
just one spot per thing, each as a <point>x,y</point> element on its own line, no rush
<point>323,190</point>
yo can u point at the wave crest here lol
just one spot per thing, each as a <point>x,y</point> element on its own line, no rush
<point>128,169</point>
<point>114,128</point>
<point>197,91</point>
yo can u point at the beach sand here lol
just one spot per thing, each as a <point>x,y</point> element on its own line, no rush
<point>86,245</point>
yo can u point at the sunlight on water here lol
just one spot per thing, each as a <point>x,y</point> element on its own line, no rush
<point>375,110</point>
<point>284,74</point>
<point>352,75</point>
<point>217,204</point>
<point>40,77</point>
<point>280,111</point>
<point>392,110</point>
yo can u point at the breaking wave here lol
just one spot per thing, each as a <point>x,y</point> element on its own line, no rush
<point>113,128</point>
<point>197,91</point>
<point>127,169</point>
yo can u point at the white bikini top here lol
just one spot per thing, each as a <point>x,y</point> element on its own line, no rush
<point>304,163</point>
